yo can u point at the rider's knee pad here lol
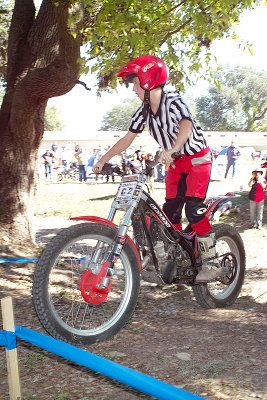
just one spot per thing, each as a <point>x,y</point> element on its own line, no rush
<point>195,209</point>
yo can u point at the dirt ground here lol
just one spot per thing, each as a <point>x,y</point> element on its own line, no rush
<point>216,354</point>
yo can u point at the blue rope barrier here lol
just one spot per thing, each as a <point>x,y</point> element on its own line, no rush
<point>130,377</point>
<point>22,260</point>
<point>8,339</point>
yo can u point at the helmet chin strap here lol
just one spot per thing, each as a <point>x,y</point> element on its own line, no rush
<point>147,97</point>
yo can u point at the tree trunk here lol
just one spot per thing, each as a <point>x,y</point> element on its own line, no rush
<point>42,63</point>
<point>17,182</point>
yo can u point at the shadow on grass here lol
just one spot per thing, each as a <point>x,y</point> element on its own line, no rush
<point>43,236</point>
<point>108,197</point>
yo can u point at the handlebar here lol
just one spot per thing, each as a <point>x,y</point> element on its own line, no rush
<point>176,155</point>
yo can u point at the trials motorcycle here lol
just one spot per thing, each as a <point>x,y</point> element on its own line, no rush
<point>87,280</point>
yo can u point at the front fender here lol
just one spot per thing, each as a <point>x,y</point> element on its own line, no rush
<point>104,221</point>
<point>93,218</point>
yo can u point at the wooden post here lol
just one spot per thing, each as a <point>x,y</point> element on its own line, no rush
<point>11,355</point>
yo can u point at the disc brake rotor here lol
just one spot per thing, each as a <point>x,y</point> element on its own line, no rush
<point>229,268</point>
<point>92,285</point>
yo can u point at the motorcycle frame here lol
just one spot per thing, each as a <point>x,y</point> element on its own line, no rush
<point>141,204</point>
<point>142,201</point>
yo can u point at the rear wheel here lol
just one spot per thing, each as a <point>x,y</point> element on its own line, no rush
<point>231,255</point>
<point>64,276</point>
<point>75,175</point>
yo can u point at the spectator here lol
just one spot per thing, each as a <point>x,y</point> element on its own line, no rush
<point>64,157</point>
<point>142,158</point>
<point>256,198</point>
<point>159,166</point>
<point>114,162</point>
<point>134,165</point>
<point>150,164</point>
<point>138,152</point>
<point>91,160</point>
<point>82,163</point>
<point>48,158</point>
<point>54,147</point>
<point>232,155</point>
<point>98,155</point>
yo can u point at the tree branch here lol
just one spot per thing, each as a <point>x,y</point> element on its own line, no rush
<point>83,84</point>
<point>91,13</point>
<point>170,10</point>
<point>56,53</point>
<point>262,115</point>
<point>22,20</point>
<point>170,34</point>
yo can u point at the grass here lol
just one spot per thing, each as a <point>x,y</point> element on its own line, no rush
<point>214,368</point>
<point>61,396</point>
<point>34,358</point>
<point>72,199</point>
<point>65,200</point>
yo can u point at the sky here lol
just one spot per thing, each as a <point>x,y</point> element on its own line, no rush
<point>82,111</point>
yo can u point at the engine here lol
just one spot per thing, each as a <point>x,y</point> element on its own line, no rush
<point>173,261</point>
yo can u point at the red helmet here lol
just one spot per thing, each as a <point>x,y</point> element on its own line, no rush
<point>151,71</point>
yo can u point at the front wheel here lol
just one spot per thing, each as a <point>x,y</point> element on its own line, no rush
<point>62,306</point>
<point>229,246</point>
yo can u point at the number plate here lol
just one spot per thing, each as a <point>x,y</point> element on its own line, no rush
<point>126,192</point>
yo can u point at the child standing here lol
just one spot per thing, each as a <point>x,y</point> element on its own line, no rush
<point>150,164</point>
<point>256,198</point>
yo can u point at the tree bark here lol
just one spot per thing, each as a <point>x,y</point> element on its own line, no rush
<point>42,63</point>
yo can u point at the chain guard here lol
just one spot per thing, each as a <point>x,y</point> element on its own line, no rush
<point>90,287</point>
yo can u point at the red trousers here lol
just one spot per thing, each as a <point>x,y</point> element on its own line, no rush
<point>187,182</point>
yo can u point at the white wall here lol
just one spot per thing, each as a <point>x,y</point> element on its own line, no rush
<point>91,140</point>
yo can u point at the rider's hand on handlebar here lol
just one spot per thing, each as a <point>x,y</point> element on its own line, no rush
<point>97,168</point>
<point>166,156</point>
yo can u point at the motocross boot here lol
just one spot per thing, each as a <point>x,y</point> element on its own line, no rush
<point>210,270</point>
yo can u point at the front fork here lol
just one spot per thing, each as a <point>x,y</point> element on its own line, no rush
<point>119,241</point>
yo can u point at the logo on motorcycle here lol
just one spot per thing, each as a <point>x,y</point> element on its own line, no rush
<point>211,201</point>
<point>121,239</point>
<point>160,215</point>
<point>118,249</point>
<point>201,211</point>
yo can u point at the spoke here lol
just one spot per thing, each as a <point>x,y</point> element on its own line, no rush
<point>77,313</point>
<point>84,314</point>
<point>71,312</point>
<point>64,285</point>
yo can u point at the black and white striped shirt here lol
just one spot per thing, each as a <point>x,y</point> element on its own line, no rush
<point>164,125</point>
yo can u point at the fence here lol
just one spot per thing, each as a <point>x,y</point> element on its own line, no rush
<point>130,377</point>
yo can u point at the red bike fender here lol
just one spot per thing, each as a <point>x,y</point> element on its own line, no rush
<point>214,201</point>
<point>104,221</point>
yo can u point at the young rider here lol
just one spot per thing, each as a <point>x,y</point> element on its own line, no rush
<point>170,123</point>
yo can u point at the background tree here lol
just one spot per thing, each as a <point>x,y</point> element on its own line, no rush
<point>52,120</point>
<point>44,61</point>
<point>237,103</point>
<point>119,117</point>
